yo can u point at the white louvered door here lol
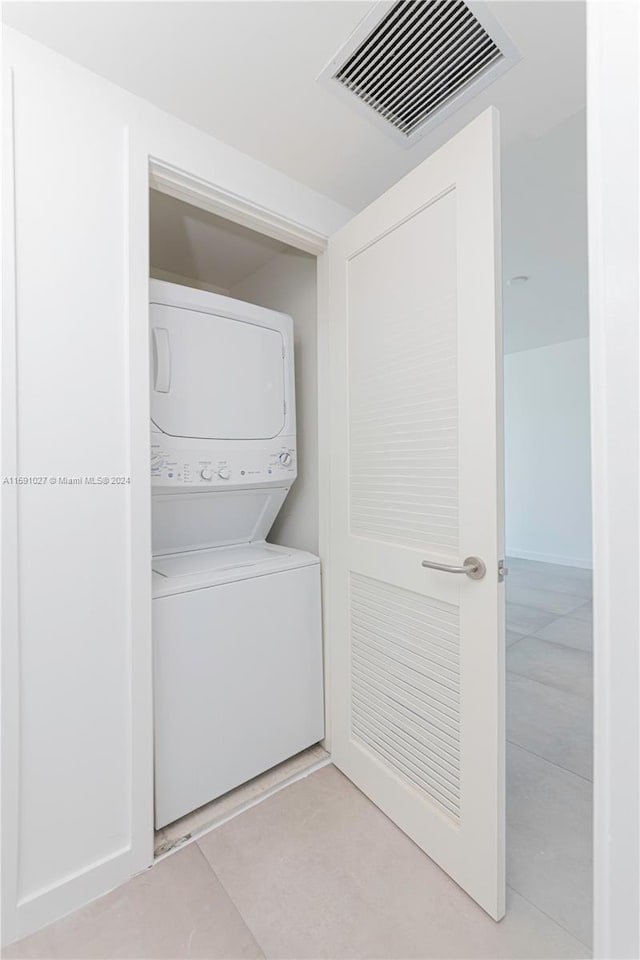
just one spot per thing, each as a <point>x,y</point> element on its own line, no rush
<point>416,655</point>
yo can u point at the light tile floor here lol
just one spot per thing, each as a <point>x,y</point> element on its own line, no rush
<point>317,871</point>
<point>549,729</point>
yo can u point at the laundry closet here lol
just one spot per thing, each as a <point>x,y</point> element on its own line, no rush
<point>237,631</point>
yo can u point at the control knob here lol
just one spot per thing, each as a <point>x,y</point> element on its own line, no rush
<point>285,458</point>
<point>224,473</point>
<point>206,474</point>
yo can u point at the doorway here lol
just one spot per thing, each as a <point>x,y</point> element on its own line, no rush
<point>193,249</point>
<point>432,737</point>
<point>549,614</point>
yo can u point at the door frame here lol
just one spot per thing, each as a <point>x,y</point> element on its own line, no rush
<point>149,170</point>
<point>613,106</point>
<point>213,197</point>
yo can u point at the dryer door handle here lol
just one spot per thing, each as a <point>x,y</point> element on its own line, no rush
<point>161,360</point>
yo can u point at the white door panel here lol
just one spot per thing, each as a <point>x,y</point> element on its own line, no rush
<point>417,655</point>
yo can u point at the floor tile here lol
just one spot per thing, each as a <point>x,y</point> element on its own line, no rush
<point>319,871</point>
<point>549,840</point>
<point>551,723</point>
<point>524,620</point>
<point>569,632</point>
<point>177,909</point>
<point>584,613</point>
<point>563,667</point>
<point>549,600</point>
<point>513,637</point>
<point>551,577</point>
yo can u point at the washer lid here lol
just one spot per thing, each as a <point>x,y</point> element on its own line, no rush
<point>215,377</point>
<point>220,559</point>
<point>198,569</point>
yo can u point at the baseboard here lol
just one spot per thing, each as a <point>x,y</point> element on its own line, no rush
<point>54,903</point>
<point>550,558</point>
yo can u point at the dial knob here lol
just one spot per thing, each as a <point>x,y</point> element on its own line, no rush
<point>224,473</point>
<point>285,458</point>
<point>156,461</point>
<point>206,474</point>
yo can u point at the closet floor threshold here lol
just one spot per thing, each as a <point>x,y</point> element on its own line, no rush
<point>223,808</point>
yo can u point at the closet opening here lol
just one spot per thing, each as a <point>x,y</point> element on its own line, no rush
<point>237,641</point>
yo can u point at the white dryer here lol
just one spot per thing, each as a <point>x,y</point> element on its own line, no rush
<point>222,400</point>
<point>236,621</point>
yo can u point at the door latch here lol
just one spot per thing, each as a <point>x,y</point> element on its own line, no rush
<point>502,571</point>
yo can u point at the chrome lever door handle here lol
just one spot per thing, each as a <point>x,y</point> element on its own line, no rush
<point>473,567</point>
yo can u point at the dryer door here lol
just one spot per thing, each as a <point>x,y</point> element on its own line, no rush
<point>215,378</point>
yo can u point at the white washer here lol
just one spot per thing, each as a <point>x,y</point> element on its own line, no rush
<point>237,669</point>
<point>236,621</point>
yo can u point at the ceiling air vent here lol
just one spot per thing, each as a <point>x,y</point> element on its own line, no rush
<point>412,63</point>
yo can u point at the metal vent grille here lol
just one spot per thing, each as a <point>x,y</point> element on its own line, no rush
<point>417,59</point>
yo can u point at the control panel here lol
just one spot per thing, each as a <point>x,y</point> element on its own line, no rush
<point>220,468</point>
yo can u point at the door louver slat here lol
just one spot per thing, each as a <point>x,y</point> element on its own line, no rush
<point>419,56</point>
<point>405,705</point>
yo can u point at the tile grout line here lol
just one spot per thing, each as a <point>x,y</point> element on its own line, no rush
<point>232,901</point>
<point>301,775</point>
<point>515,643</point>
<point>514,743</point>
<point>552,613</point>
<point>534,633</point>
<point>553,920</point>
<point>561,616</point>
<point>550,686</point>
<point>554,643</point>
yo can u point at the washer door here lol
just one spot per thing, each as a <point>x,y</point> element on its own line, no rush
<point>215,378</point>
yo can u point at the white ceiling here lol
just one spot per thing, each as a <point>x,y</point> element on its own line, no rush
<point>200,246</point>
<point>543,226</point>
<point>246,72</point>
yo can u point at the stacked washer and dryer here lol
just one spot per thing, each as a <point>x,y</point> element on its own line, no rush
<point>236,620</point>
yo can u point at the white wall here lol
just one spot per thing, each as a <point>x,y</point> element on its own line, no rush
<point>544,237</point>
<point>171,277</point>
<point>288,283</point>
<point>547,453</point>
<point>77,720</point>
